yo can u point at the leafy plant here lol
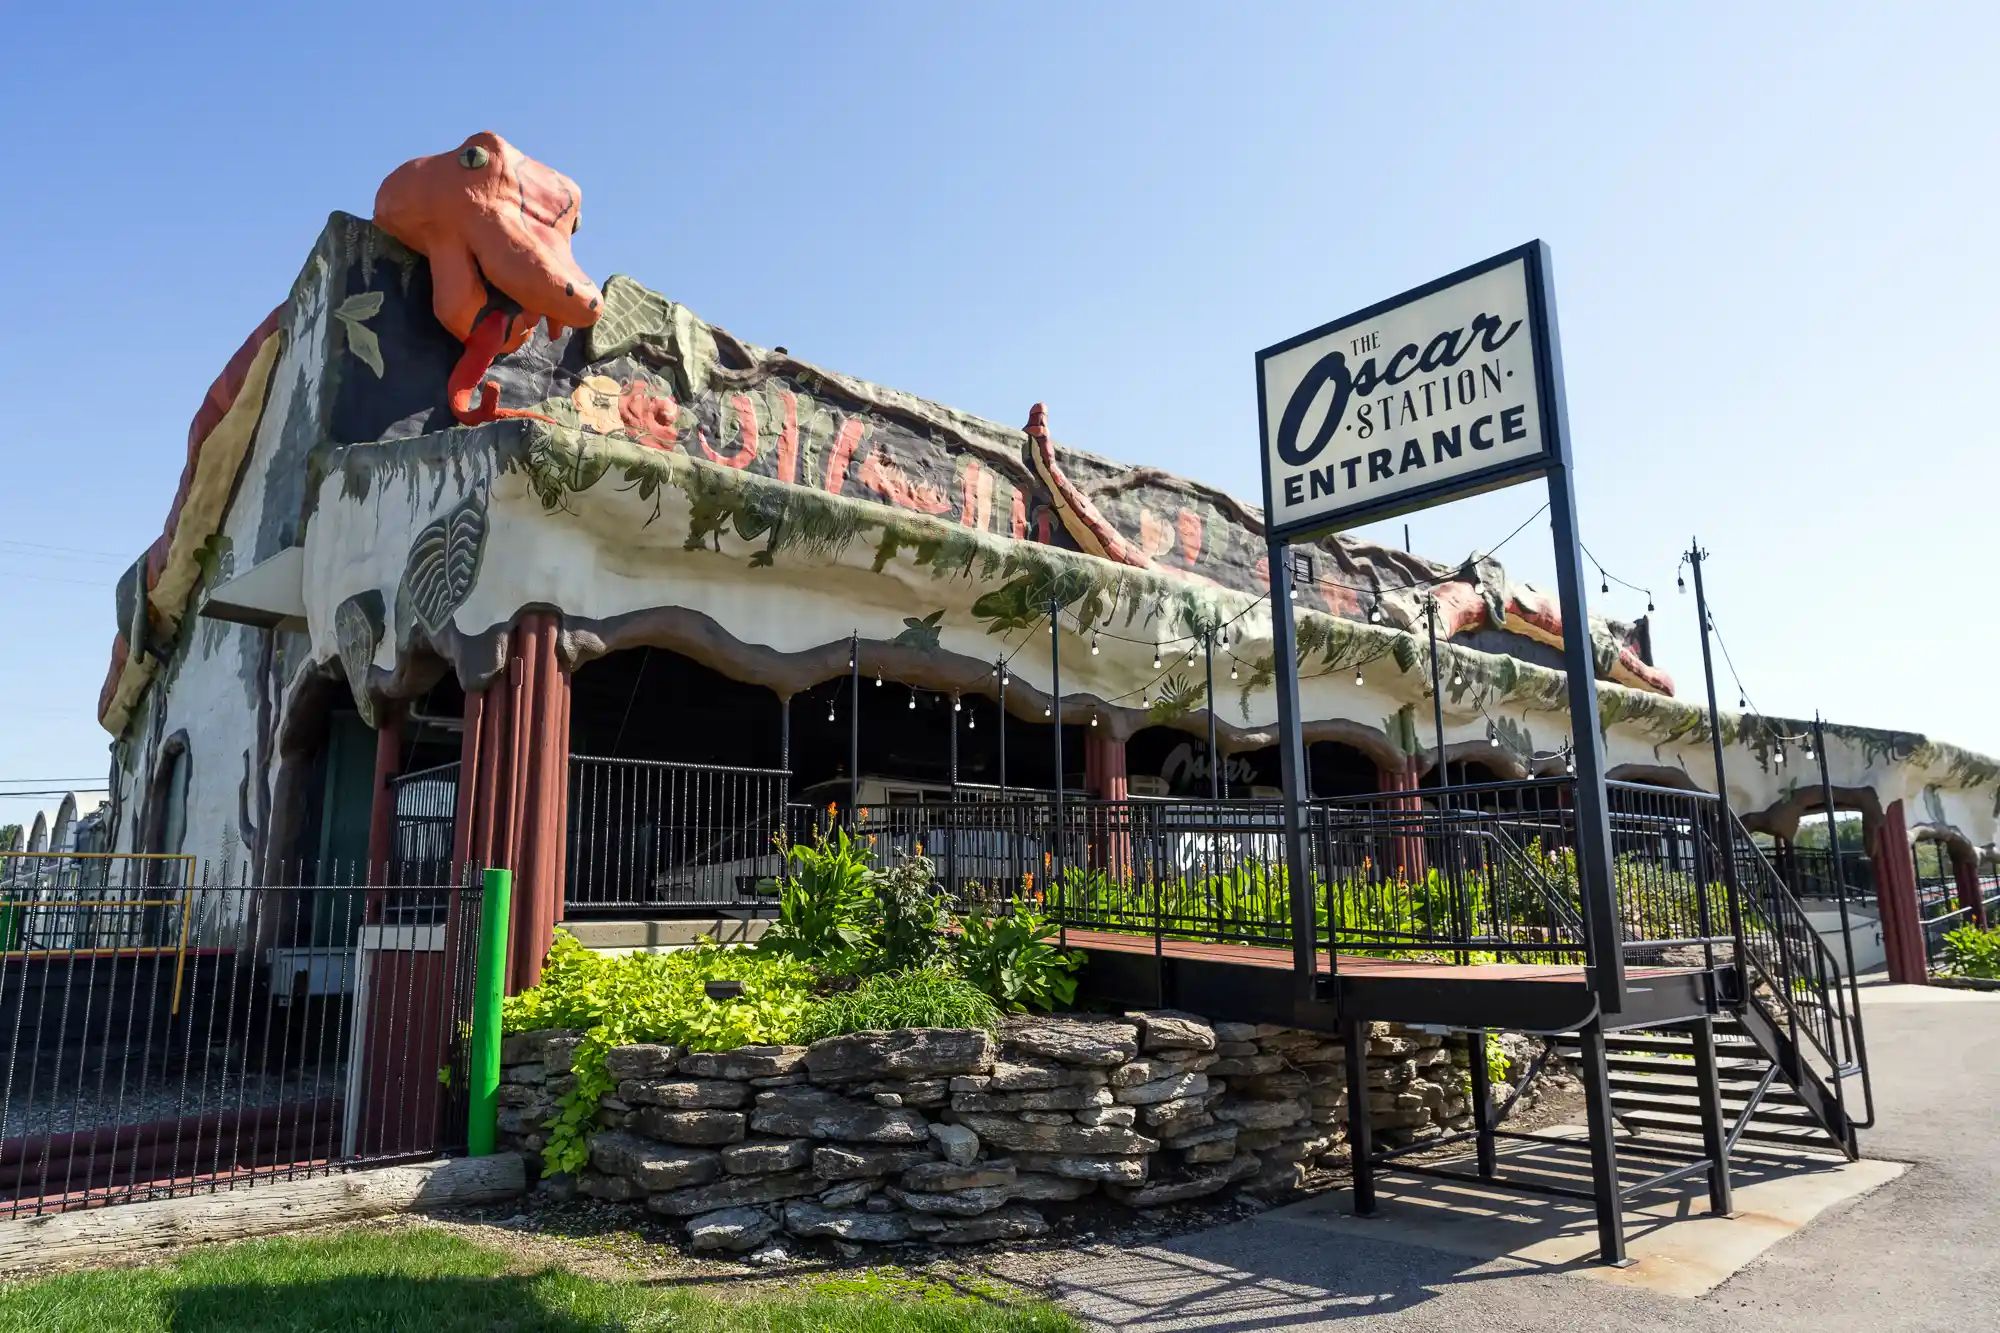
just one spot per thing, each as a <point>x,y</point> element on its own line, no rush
<point>619,1000</point>
<point>843,915</point>
<point>1972,952</point>
<point>908,917</point>
<point>1011,958</point>
<point>930,997</point>
<point>824,904</point>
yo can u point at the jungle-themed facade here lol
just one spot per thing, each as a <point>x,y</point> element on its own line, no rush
<point>454,502</point>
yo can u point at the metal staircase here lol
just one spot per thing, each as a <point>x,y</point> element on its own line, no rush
<point>1655,1092</point>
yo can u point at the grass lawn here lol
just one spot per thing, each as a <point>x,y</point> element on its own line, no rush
<point>433,1281</point>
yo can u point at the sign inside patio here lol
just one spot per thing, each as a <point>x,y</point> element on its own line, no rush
<point>1440,392</point>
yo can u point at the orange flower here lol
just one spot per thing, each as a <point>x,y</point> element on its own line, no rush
<point>919,849</point>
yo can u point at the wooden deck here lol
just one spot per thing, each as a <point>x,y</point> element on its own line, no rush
<point>1255,982</point>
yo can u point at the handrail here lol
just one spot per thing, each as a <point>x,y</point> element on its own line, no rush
<point>1841,1046</point>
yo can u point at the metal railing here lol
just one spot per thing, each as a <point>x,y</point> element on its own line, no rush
<point>253,1032</point>
<point>1475,869</point>
<point>649,834</point>
<point>1790,974</point>
<point>426,823</point>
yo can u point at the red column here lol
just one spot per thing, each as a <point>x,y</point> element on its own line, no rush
<point>1896,897</point>
<point>1409,847</point>
<point>1104,765</point>
<point>1965,873</point>
<point>513,794</point>
<point>382,806</point>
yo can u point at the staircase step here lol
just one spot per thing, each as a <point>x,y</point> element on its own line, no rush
<point>1671,1104</point>
<point>1813,1139</point>
<point>1732,1094</point>
<point>1733,1070</point>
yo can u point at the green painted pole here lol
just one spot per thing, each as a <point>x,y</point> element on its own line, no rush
<point>489,985</point>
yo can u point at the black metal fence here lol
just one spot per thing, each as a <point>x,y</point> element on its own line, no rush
<point>1481,868</point>
<point>426,823</point>
<point>160,1042</point>
<point>652,834</point>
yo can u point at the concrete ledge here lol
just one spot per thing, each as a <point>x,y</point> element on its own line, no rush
<point>660,934</point>
<point>118,1231</point>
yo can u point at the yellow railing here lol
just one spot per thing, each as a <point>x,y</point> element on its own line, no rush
<point>43,872</point>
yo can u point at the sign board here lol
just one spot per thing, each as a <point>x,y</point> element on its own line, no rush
<point>1447,390</point>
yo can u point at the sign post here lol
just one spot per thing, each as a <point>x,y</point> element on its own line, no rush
<point>1451,389</point>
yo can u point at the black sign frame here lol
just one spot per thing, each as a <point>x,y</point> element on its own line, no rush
<point>1554,452</point>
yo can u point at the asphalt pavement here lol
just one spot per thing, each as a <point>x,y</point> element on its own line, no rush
<point>1921,1251</point>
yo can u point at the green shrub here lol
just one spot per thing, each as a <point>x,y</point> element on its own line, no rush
<point>1972,952</point>
<point>930,997</point>
<point>845,916</point>
<point>824,904</point>
<point>619,1000</point>
<point>1010,957</point>
<point>906,927</point>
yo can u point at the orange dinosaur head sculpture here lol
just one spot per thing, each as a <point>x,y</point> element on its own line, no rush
<point>489,213</point>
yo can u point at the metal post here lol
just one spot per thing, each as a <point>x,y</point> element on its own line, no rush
<point>1360,1129</point>
<point>1603,1146</point>
<point>1601,918</point>
<point>1000,674</point>
<point>1725,827</point>
<point>1292,772</point>
<point>952,820</point>
<point>854,729</point>
<point>1214,759</point>
<point>1833,841</point>
<point>1480,1077</point>
<point>1056,721</point>
<point>1714,1133</point>
<point>489,987</point>
<point>1437,688</point>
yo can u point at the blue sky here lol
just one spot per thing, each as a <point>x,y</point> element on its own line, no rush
<point>1772,230</point>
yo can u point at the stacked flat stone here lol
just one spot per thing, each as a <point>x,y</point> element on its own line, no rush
<point>957,1135</point>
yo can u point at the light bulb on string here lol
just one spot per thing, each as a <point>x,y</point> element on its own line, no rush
<point>1779,757</point>
<point>1156,659</point>
<point>1093,719</point>
<point>829,712</point>
<point>1680,583</point>
<point>1047,711</point>
<point>1492,736</point>
<point>956,704</point>
<point>1603,584</point>
<point>913,701</point>
<point>1457,678</point>
<point>1742,703</point>
<point>1293,594</point>
<point>1232,670</point>
<point>1093,643</point>
<point>1649,604</point>
<point>972,722</point>
<point>1375,612</point>
<point>1357,676</point>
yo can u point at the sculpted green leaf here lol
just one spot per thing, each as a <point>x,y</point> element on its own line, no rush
<point>444,562</point>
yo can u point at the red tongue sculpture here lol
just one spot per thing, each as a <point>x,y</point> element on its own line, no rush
<point>487,213</point>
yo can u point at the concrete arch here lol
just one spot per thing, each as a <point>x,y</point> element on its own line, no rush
<point>1493,757</point>
<point>1655,775</point>
<point>38,833</point>
<point>65,824</point>
<point>1781,819</point>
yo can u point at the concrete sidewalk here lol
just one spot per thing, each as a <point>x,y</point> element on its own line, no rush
<point>1921,1251</point>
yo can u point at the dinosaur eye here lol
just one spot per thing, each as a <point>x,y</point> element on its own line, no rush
<point>473,158</point>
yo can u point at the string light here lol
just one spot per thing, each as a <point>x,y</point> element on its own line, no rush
<point>913,701</point>
<point>1375,612</point>
<point>829,710</point>
<point>1232,668</point>
<point>1156,659</point>
<point>972,722</point>
<point>1093,643</point>
<point>1093,719</point>
<point>956,705</point>
<point>1357,676</point>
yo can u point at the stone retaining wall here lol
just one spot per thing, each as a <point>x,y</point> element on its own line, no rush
<point>957,1135</point>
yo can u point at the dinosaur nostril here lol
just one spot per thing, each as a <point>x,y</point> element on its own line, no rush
<point>569,289</point>
<point>593,305</point>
